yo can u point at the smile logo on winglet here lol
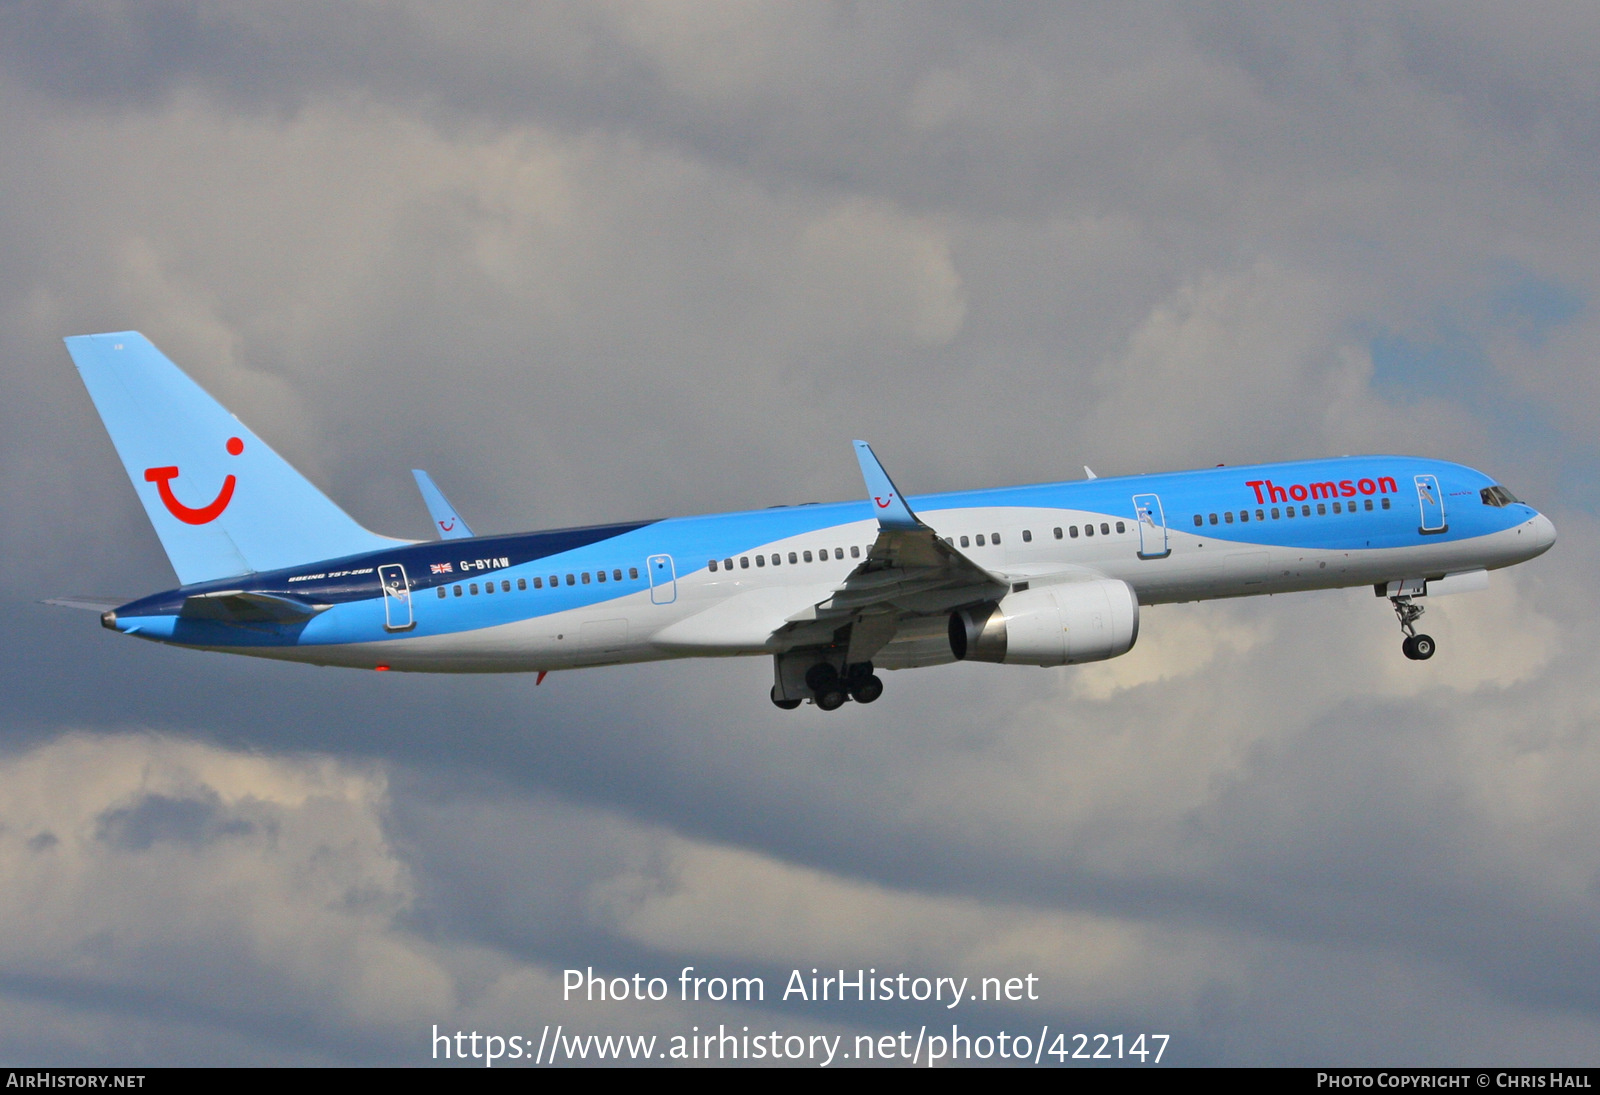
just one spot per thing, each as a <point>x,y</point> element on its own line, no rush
<point>163,477</point>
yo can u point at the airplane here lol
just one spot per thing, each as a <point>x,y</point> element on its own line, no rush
<point>1051,574</point>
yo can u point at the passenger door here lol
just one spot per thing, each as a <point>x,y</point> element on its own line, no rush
<point>1152,527</point>
<point>663,580</point>
<point>396,598</point>
<point>1431,501</point>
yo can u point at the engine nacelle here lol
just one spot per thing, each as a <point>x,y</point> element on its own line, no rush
<point>1055,625</point>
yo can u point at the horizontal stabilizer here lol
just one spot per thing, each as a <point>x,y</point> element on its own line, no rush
<point>233,606</point>
<point>445,519</point>
<point>88,604</point>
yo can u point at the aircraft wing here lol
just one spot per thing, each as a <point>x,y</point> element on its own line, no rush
<point>909,572</point>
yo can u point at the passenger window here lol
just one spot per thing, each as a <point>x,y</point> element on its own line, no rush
<point>1336,508</point>
<point>1088,530</point>
<point>964,542</point>
<point>1198,520</point>
<point>1027,536</point>
<point>855,552</point>
<point>1213,518</point>
<point>807,556</point>
<point>727,564</point>
<point>980,539</point>
<point>572,579</point>
<point>522,584</point>
<point>1074,531</point>
<point>633,572</point>
<point>777,560</point>
<point>994,537</point>
<point>586,577</point>
<point>761,560</point>
<point>555,580</point>
<point>1322,509</point>
<point>473,589</point>
<point>1305,511</point>
<point>1227,518</point>
<point>458,591</point>
<point>1121,527</point>
<point>1260,516</point>
<point>600,575</point>
<point>505,587</point>
<point>710,565</point>
<point>488,587</point>
<point>1244,516</point>
<point>793,558</point>
<point>1366,504</point>
<point>838,553</point>
<point>1288,511</point>
<point>744,562</point>
<point>1058,532</point>
<point>1386,503</point>
<point>442,592</point>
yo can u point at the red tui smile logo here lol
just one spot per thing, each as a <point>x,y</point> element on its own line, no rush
<point>163,477</point>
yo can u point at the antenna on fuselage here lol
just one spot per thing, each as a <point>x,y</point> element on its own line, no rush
<point>1088,471</point>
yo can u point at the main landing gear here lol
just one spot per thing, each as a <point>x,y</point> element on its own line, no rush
<point>830,689</point>
<point>1419,648</point>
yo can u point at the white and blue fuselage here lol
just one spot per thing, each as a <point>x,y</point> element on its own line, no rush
<point>725,584</point>
<point>1052,574</point>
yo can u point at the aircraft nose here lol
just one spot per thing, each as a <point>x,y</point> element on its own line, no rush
<point>1544,531</point>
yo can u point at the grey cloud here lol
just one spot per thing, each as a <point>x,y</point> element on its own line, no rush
<point>609,262</point>
<point>154,818</point>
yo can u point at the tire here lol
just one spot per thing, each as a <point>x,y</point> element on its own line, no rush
<point>1409,648</point>
<point>867,689</point>
<point>831,699</point>
<point>786,705</point>
<point>820,677</point>
<point>1422,647</point>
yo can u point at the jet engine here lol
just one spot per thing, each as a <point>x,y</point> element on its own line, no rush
<point>1055,625</point>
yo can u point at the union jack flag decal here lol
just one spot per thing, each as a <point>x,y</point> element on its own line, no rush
<point>442,568</point>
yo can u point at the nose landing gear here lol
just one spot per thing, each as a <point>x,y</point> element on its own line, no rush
<point>1419,648</point>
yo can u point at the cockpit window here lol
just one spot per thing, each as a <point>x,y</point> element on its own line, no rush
<point>1497,496</point>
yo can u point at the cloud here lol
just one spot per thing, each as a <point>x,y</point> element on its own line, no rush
<point>596,262</point>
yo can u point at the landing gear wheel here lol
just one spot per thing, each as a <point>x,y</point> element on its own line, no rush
<point>832,698</point>
<point>1419,648</point>
<point>821,677</point>
<point>866,689</point>
<point>787,705</point>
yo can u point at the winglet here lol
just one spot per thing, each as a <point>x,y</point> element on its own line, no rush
<point>893,513</point>
<point>450,526</point>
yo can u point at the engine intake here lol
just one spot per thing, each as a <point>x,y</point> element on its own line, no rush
<point>1054,625</point>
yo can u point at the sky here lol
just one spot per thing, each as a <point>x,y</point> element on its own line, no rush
<point>595,262</point>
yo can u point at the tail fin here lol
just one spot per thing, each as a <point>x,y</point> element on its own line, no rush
<point>221,501</point>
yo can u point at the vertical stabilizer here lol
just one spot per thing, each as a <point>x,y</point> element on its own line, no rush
<point>221,501</point>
